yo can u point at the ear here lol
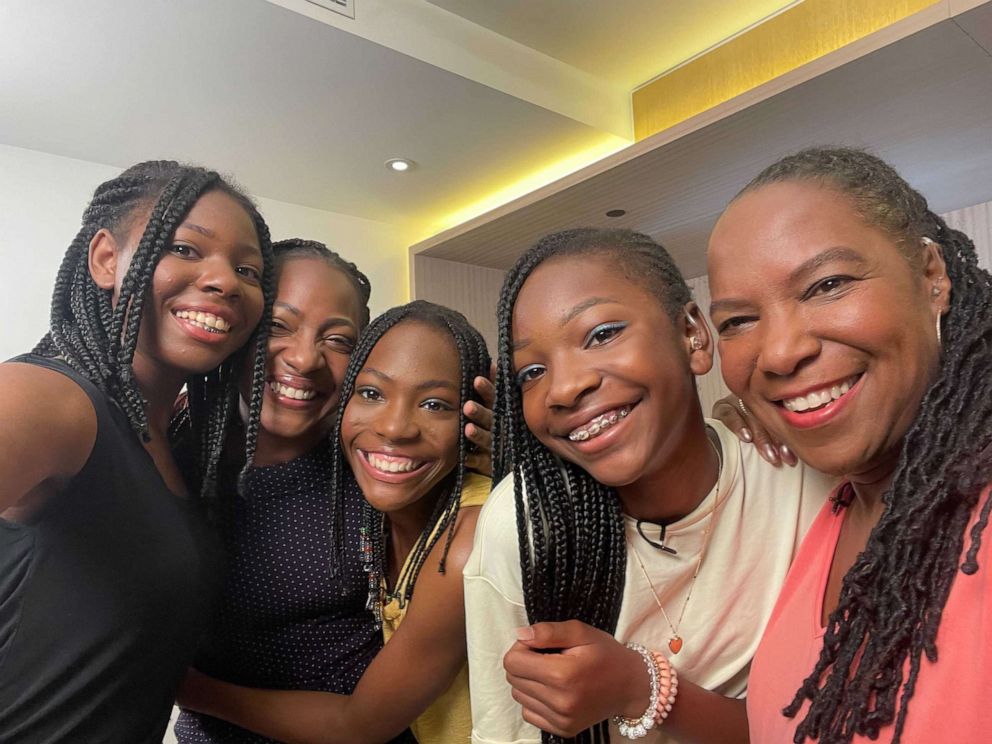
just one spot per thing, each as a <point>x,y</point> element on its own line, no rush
<point>103,257</point>
<point>935,279</point>
<point>697,339</point>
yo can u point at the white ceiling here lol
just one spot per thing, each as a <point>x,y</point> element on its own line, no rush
<point>306,106</point>
<point>924,103</point>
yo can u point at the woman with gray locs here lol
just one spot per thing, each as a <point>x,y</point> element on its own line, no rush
<point>856,326</point>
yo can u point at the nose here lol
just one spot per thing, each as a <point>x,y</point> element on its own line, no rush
<point>787,342</point>
<point>394,423</point>
<point>569,384</point>
<point>302,354</point>
<point>218,276</point>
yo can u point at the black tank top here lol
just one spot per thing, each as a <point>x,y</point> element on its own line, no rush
<point>103,596</point>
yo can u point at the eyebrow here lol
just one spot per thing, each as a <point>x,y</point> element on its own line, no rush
<point>329,323</point>
<point>199,228</point>
<point>425,385</point>
<point>840,253</point>
<point>207,232</point>
<point>570,315</point>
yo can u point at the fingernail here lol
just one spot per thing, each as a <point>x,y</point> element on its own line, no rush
<point>770,454</point>
<point>526,633</point>
<point>746,434</point>
<point>787,454</point>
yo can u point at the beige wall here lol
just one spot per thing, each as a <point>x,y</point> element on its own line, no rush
<point>469,289</point>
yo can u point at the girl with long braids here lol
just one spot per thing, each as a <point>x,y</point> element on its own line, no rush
<point>293,614</point>
<point>623,516</point>
<point>105,587</point>
<point>399,448</point>
<point>857,328</point>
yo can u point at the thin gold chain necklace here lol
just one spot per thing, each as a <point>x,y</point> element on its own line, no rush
<point>675,642</point>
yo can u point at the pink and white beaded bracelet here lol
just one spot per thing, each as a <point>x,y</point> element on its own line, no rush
<point>664,687</point>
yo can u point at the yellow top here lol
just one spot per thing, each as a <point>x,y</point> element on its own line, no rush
<point>448,720</point>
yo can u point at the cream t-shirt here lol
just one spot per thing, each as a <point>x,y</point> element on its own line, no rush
<point>760,514</point>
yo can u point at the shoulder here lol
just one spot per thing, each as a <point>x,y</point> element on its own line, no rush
<point>38,400</point>
<point>757,479</point>
<point>49,429</point>
<point>496,553</point>
<point>475,489</point>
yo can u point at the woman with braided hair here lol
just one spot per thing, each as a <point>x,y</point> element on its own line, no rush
<point>399,447</point>
<point>857,328</point>
<point>623,516</point>
<point>105,587</point>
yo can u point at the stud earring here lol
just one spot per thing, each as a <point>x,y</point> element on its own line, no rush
<point>935,291</point>
<point>696,343</point>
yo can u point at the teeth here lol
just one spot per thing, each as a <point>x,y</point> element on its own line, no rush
<point>392,464</point>
<point>818,398</point>
<point>598,425</point>
<point>290,392</point>
<point>207,321</point>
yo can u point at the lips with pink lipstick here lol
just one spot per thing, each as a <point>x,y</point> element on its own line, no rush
<point>817,399</point>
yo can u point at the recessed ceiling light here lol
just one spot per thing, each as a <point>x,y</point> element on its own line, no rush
<point>399,164</point>
<point>616,213</point>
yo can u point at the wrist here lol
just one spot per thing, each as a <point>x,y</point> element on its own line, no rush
<point>637,684</point>
<point>662,682</point>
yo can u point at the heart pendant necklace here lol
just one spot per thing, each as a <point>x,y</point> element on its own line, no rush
<point>675,642</point>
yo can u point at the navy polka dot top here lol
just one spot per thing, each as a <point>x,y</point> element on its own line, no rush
<point>284,622</point>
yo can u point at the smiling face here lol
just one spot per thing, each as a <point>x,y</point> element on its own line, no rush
<point>826,329</point>
<point>315,324</point>
<point>400,430</point>
<point>605,375</point>
<point>205,298</point>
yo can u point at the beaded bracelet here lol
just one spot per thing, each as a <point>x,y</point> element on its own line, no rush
<point>664,687</point>
<point>635,728</point>
<point>669,687</point>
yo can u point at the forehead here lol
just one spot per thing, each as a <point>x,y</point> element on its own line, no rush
<point>562,283</point>
<point>776,228</point>
<point>218,211</point>
<point>308,283</point>
<point>413,351</point>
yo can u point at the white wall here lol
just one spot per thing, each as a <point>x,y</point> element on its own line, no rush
<point>42,198</point>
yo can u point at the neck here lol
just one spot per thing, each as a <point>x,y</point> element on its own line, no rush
<point>271,449</point>
<point>407,524</point>
<point>160,388</point>
<point>870,486</point>
<point>687,473</point>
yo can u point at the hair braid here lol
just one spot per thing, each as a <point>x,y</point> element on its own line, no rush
<point>98,339</point>
<point>893,596</point>
<point>570,528</point>
<point>473,361</point>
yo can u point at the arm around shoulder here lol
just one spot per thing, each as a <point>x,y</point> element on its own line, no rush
<point>426,653</point>
<point>49,428</point>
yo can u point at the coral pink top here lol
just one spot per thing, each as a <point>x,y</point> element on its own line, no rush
<point>952,701</point>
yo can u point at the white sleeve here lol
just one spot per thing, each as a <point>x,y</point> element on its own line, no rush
<point>494,609</point>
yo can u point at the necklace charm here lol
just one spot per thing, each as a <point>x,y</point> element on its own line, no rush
<point>675,644</point>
